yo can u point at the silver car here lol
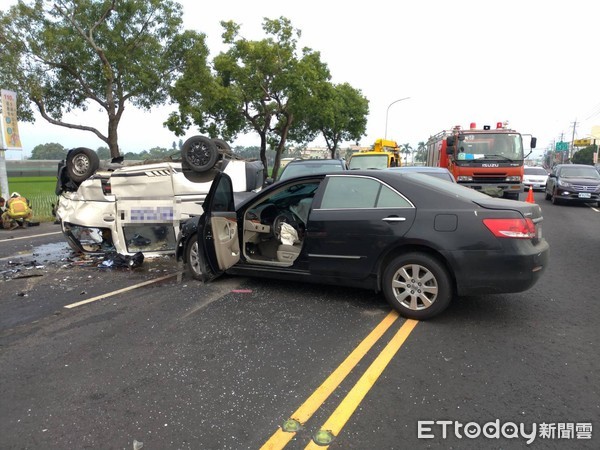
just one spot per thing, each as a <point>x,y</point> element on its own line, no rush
<point>535,177</point>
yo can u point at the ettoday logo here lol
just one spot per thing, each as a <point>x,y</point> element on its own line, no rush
<point>430,429</point>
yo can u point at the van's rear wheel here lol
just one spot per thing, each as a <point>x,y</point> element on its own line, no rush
<point>200,153</point>
<point>82,163</point>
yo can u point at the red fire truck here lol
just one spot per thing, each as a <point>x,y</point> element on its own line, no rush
<point>489,160</point>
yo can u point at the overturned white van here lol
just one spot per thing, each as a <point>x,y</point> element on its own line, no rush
<point>138,208</point>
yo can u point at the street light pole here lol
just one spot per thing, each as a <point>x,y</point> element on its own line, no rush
<point>387,112</point>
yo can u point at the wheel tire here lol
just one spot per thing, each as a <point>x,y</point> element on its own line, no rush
<point>195,266</point>
<point>554,200</point>
<point>222,146</point>
<point>547,195</point>
<point>200,153</point>
<point>417,285</point>
<point>81,164</point>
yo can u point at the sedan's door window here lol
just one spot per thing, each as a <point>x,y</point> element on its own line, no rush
<point>360,192</point>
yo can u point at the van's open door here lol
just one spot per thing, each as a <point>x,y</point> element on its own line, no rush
<point>219,226</point>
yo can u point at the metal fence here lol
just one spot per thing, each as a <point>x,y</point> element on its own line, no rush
<point>32,168</point>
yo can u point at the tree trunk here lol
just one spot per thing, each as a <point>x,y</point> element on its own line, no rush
<point>263,154</point>
<point>113,137</point>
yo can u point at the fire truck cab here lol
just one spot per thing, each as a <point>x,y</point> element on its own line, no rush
<point>488,160</point>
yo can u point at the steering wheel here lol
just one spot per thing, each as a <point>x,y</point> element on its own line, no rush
<point>286,217</point>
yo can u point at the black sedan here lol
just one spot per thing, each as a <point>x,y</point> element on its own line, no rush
<point>419,239</point>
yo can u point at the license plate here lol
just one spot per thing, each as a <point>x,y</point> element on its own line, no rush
<point>536,185</point>
<point>539,232</point>
<point>585,195</point>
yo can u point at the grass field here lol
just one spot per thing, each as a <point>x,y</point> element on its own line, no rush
<point>40,191</point>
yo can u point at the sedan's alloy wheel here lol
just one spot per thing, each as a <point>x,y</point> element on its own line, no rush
<point>417,285</point>
<point>195,264</point>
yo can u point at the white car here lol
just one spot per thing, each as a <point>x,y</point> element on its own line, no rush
<point>138,207</point>
<point>535,177</point>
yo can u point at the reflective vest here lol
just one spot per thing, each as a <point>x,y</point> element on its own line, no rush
<point>18,207</point>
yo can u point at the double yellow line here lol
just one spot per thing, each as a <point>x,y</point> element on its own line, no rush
<point>346,408</point>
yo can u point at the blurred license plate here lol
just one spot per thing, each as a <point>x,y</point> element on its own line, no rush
<point>585,195</point>
<point>536,185</point>
<point>539,232</point>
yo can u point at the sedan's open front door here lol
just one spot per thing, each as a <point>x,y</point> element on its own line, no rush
<point>219,235</point>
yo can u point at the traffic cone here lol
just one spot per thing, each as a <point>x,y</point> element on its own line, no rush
<point>530,196</point>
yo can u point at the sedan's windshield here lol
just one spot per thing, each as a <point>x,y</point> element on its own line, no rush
<point>583,172</point>
<point>308,168</point>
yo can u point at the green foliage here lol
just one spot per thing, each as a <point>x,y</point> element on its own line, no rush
<point>48,151</point>
<point>103,152</point>
<point>260,86</point>
<point>585,155</point>
<point>421,155</point>
<point>40,191</point>
<point>76,54</point>
<point>338,112</point>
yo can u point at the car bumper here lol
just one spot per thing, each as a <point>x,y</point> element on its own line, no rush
<point>535,186</point>
<point>565,195</point>
<point>516,268</point>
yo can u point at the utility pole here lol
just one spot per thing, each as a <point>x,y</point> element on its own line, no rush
<point>572,152</point>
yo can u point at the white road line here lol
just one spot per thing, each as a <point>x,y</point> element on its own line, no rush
<point>119,291</point>
<point>29,237</point>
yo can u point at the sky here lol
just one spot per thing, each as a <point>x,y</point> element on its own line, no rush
<point>535,64</point>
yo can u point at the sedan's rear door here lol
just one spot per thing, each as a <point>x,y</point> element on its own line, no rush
<point>219,236</point>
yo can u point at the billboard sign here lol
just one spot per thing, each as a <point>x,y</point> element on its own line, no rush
<point>10,127</point>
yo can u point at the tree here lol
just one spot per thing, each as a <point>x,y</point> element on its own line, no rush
<point>406,150</point>
<point>421,155</point>
<point>257,86</point>
<point>66,55</point>
<point>339,112</point>
<point>584,156</point>
<point>48,151</point>
<point>103,152</point>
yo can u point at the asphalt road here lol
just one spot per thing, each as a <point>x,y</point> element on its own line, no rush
<point>175,364</point>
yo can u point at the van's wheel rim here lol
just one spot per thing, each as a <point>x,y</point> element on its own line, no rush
<point>199,154</point>
<point>81,164</point>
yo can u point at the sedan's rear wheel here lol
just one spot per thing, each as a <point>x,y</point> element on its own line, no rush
<point>417,286</point>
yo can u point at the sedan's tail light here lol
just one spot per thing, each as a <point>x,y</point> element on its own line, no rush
<point>511,228</point>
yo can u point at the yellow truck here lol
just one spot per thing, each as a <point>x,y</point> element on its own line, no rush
<point>384,154</point>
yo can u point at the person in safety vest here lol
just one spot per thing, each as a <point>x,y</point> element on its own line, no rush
<point>18,212</point>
